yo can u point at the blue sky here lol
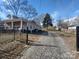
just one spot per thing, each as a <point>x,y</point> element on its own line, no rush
<point>56,8</point>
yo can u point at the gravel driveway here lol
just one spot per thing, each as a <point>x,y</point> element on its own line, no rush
<point>48,47</point>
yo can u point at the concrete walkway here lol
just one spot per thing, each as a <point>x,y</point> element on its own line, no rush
<point>48,47</point>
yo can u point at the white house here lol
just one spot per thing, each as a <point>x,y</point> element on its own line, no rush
<point>73,23</point>
<point>72,27</point>
<point>20,24</point>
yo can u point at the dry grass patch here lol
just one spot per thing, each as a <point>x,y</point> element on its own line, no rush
<point>10,48</point>
<point>70,40</point>
<point>31,37</point>
<point>6,38</point>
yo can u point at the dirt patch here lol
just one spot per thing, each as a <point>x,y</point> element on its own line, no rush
<point>70,40</point>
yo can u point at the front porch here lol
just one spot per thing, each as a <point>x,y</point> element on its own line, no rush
<point>15,24</point>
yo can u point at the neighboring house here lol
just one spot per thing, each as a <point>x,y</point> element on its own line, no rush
<point>74,22</point>
<point>72,27</point>
<point>20,24</point>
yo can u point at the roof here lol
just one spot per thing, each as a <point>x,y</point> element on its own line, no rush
<point>14,20</point>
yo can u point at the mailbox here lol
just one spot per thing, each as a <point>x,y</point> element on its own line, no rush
<point>77,38</point>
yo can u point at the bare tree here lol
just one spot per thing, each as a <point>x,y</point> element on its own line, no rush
<point>62,24</point>
<point>59,23</point>
<point>29,11</point>
<point>19,8</point>
<point>76,21</point>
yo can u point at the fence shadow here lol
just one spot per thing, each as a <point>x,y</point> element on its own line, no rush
<point>45,45</point>
<point>44,33</point>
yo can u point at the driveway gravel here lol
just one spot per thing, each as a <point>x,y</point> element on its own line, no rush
<point>50,46</point>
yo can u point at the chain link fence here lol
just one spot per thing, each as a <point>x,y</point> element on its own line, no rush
<point>11,43</point>
<point>7,36</point>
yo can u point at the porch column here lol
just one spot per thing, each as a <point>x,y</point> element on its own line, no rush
<point>12,24</point>
<point>5,25</point>
<point>21,24</point>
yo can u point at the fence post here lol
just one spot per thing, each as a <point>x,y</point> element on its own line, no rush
<point>27,36</point>
<point>77,38</point>
<point>0,34</point>
<point>20,34</point>
<point>14,31</point>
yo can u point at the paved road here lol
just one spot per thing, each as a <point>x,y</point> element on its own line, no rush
<point>48,47</point>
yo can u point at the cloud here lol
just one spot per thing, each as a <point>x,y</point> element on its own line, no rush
<point>6,1</point>
<point>2,15</point>
<point>76,12</point>
<point>55,14</point>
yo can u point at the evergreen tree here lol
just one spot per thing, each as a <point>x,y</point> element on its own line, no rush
<point>47,21</point>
